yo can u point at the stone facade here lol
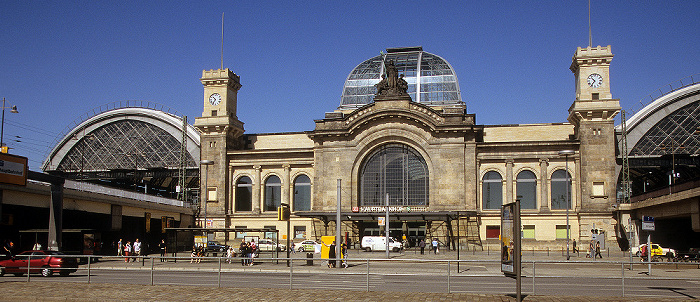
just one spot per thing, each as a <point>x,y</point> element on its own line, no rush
<point>457,153</point>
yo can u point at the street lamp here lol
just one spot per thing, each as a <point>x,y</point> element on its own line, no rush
<point>206,163</point>
<point>566,154</point>
<point>2,127</point>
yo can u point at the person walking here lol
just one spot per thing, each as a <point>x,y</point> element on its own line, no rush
<point>575,248</point>
<point>597,250</point>
<point>162,246</point>
<point>422,246</point>
<point>435,246</point>
<point>591,249</point>
<point>331,255</point>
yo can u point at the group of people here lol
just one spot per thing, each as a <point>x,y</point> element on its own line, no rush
<point>435,244</point>
<point>247,251</point>
<point>130,251</point>
<point>332,254</point>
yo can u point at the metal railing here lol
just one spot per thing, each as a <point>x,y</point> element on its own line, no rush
<point>447,270</point>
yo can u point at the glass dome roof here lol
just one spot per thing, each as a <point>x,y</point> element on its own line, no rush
<point>431,80</point>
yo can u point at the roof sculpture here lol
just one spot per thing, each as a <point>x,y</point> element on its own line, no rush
<point>429,79</point>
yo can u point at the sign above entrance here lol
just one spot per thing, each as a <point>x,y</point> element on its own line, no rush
<point>13,169</point>
<point>392,209</point>
<point>648,223</point>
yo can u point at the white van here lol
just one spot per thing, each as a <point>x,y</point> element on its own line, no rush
<point>376,243</point>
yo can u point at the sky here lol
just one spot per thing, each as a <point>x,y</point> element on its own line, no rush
<point>59,60</point>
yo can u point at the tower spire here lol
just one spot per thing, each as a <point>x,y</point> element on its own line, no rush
<point>590,34</point>
<point>222,40</point>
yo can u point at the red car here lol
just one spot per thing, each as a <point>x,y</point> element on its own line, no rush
<point>44,262</point>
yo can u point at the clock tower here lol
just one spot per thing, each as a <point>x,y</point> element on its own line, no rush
<point>220,131</point>
<point>592,115</point>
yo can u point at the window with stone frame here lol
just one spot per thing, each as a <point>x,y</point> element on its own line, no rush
<point>492,191</point>
<point>273,193</point>
<point>526,190</point>
<point>559,199</point>
<point>302,193</point>
<point>244,193</point>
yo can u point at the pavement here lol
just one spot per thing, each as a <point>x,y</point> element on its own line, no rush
<point>40,290</point>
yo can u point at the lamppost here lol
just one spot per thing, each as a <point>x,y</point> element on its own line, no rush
<point>566,154</point>
<point>2,127</point>
<point>206,163</point>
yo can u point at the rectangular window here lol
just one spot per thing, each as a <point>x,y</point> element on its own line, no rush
<point>493,231</point>
<point>528,232</point>
<point>561,232</point>
<point>213,113</point>
<point>299,232</point>
<point>598,189</point>
<point>595,96</point>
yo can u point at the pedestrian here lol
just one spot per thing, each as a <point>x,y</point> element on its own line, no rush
<point>251,252</point>
<point>9,248</point>
<point>422,246</point>
<point>331,254</point>
<point>575,248</point>
<point>37,246</point>
<point>243,250</point>
<point>229,254</point>
<point>137,249</point>
<point>162,246</point>
<point>120,247</point>
<point>127,251</point>
<point>193,255</point>
<point>291,248</point>
<point>344,254</point>
<point>591,250</point>
<point>597,250</point>
<point>435,246</point>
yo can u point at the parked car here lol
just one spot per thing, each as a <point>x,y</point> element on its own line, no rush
<point>656,250</point>
<point>215,246</point>
<point>307,246</point>
<point>45,262</point>
<point>267,245</point>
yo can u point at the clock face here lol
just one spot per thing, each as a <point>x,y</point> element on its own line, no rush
<point>595,80</point>
<point>215,99</point>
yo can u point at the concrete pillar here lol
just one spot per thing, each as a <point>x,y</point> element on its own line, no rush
<point>286,198</point>
<point>509,182</point>
<point>544,185</point>
<point>257,183</point>
<point>55,218</point>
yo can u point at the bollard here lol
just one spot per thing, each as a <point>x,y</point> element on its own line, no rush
<point>310,259</point>
<point>88,270</point>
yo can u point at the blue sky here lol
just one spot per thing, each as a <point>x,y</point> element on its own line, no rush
<point>61,59</point>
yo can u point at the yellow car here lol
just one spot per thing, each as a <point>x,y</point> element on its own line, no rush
<point>656,250</point>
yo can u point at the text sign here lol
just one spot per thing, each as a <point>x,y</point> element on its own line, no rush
<point>648,223</point>
<point>13,169</point>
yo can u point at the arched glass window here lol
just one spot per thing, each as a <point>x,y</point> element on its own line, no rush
<point>526,188</point>
<point>559,188</point>
<point>302,193</point>
<point>397,170</point>
<point>273,193</point>
<point>492,191</point>
<point>244,193</point>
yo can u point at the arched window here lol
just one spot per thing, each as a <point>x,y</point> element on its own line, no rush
<point>492,191</point>
<point>244,193</point>
<point>273,193</point>
<point>526,188</point>
<point>302,193</point>
<point>397,170</point>
<point>559,188</point>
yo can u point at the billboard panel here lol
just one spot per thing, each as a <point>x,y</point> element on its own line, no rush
<point>507,238</point>
<point>13,169</point>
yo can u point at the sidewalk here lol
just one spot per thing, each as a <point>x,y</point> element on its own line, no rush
<point>55,291</point>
